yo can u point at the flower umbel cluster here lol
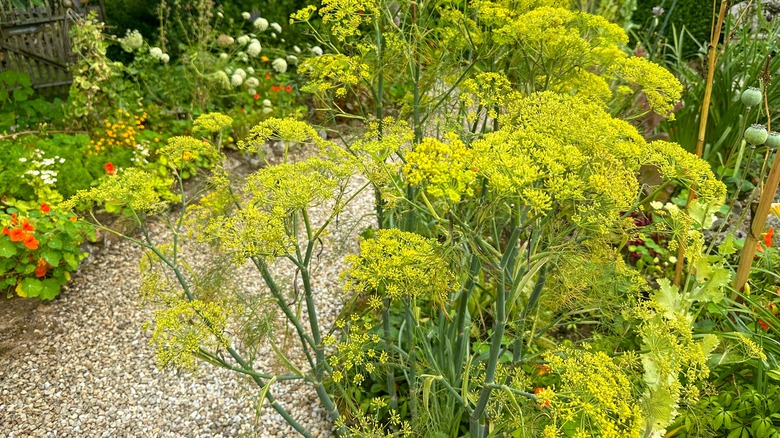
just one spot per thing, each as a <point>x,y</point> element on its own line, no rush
<point>398,264</point>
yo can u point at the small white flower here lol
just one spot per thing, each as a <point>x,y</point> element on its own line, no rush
<point>250,70</point>
<point>297,49</point>
<point>282,40</point>
<point>252,83</point>
<point>240,72</point>
<point>276,27</point>
<point>242,56</point>
<point>243,39</point>
<point>223,56</point>
<point>220,15</point>
<point>62,160</point>
<point>292,59</point>
<point>672,259</point>
<point>273,34</point>
<point>165,58</point>
<point>246,15</point>
<point>279,64</point>
<point>156,52</point>
<point>254,49</point>
<point>266,102</point>
<point>23,160</point>
<point>236,80</point>
<point>252,91</point>
<point>317,50</point>
<point>267,110</point>
<point>261,24</point>
<point>657,205</point>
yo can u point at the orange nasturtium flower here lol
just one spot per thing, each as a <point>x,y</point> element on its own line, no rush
<point>40,270</point>
<point>17,235</point>
<point>31,242</point>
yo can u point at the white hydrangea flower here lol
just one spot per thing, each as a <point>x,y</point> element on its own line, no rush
<point>297,49</point>
<point>280,65</point>
<point>267,110</point>
<point>250,70</point>
<point>276,27</point>
<point>292,59</point>
<point>236,80</point>
<point>223,56</point>
<point>317,50</point>
<point>266,102</point>
<point>252,82</point>
<point>240,72</point>
<point>254,49</point>
<point>243,39</point>
<point>246,15</point>
<point>261,24</point>
<point>132,41</point>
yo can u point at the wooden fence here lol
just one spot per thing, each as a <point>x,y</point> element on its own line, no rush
<point>34,39</point>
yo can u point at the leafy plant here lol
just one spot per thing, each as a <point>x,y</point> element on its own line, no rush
<point>39,249</point>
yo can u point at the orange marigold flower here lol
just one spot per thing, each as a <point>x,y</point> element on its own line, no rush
<point>31,242</point>
<point>73,219</point>
<point>40,270</point>
<point>6,231</point>
<point>110,169</point>
<point>274,88</point>
<point>288,88</point>
<point>17,235</point>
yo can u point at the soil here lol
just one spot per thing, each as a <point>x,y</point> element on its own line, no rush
<point>19,324</point>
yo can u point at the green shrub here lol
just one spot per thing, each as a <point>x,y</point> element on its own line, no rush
<point>695,15</point>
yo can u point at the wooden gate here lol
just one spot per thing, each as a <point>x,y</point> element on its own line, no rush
<point>34,39</point>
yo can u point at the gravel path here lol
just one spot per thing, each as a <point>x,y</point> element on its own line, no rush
<point>85,367</point>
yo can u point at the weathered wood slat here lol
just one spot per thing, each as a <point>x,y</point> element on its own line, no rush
<point>35,40</point>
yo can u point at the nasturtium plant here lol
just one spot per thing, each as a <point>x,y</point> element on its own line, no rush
<point>39,249</point>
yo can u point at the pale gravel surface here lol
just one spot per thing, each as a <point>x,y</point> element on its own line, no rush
<point>91,372</point>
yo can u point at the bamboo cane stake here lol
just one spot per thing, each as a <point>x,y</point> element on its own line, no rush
<point>705,112</point>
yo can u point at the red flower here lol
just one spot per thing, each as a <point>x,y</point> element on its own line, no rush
<point>31,242</point>
<point>288,88</point>
<point>267,76</point>
<point>110,169</point>
<point>256,96</point>
<point>763,325</point>
<point>17,235</point>
<point>274,88</point>
<point>40,271</point>
<point>45,208</point>
<point>6,231</point>
<point>768,237</point>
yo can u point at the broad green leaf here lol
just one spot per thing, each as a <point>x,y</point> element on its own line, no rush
<point>7,248</point>
<point>50,289</point>
<point>52,257</point>
<point>31,287</point>
<point>727,247</point>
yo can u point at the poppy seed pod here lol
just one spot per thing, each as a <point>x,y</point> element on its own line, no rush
<point>751,97</point>
<point>756,135</point>
<point>773,140</point>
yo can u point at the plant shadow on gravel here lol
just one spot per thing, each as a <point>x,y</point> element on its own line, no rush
<point>19,324</point>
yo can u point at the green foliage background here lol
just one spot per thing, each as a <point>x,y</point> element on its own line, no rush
<point>696,15</point>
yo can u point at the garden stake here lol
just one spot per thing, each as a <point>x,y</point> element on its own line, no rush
<point>712,59</point>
